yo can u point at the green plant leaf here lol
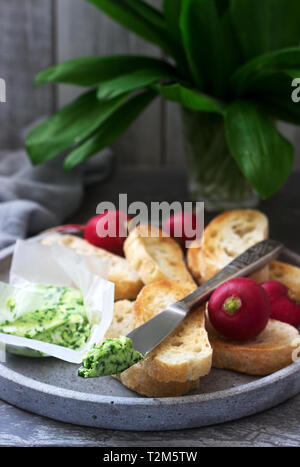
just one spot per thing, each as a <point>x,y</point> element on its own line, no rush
<point>172,10</point>
<point>130,82</point>
<point>205,45</point>
<point>191,98</point>
<point>71,125</point>
<point>265,25</point>
<point>268,79</point>
<point>263,155</point>
<point>190,27</point>
<point>293,73</point>
<point>287,111</point>
<point>222,6</point>
<point>259,71</point>
<point>277,98</point>
<point>138,17</point>
<point>111,129</point>
<point>231,47</point>
<point>90,71</point>
<point>148,12</point>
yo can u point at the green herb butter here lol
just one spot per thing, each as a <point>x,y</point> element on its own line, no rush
<point>110,358</point>
<point>55,314</point>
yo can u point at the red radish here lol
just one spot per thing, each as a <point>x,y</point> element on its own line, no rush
<point>182,227</point>
<point>284,307</point>
<point>239,309</point>
<point>108,231</point>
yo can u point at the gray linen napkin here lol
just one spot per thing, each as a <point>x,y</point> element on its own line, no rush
<point>36,198</point>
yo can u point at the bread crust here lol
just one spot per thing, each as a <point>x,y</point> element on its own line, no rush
<point>126,279</point>
<point>288,275</point>
<point>193,260</point>
<point>269,352</point>
<point>138,380</point>
<point>136,377</point>
<point>184,355</point>
<point>155,258</point>
<point>122,322</point>
<point>227,236</point>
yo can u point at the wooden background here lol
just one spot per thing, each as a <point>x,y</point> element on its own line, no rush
<point>35,34</point>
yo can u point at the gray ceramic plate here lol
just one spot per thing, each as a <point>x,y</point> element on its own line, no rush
<point>50,387</point>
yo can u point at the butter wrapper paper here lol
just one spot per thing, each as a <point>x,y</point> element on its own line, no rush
<point>57,265</point>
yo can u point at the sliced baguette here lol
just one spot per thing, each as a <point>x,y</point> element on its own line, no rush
<point>126,279</point>
<point>288,275</point>
<point>122,322</point>
<point>186,354</point>
<point>227,236</point>
<point>156,257</point>
<point>136,378</point>
<point>195,263</point>
<point>269,352</point>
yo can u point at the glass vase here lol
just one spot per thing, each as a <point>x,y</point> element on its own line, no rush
<point>213,175</point>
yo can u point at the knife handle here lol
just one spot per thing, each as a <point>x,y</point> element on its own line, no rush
<point>252,259</point>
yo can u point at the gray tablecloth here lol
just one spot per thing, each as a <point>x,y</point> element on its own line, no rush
<point>36,198</point>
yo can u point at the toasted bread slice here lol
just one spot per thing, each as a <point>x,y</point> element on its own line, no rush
<point>288,275</point>
<point>194,260</point>
<point>122,322</point>
<point>136,378</point>
<point>269,352</point>
<point>186,353</point>
<point>227,236</point>
<point>156,257</point>
<point>126,279</point>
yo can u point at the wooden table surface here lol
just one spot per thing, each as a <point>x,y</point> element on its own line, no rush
<point>276,427</point>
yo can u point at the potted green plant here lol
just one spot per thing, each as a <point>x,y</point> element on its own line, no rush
<point>230,66</point>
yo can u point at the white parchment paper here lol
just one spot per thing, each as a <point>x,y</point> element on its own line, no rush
<point>58,265</point>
